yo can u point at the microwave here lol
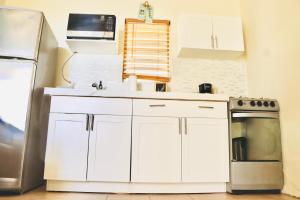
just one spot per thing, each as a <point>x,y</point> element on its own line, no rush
<point>91,26</point>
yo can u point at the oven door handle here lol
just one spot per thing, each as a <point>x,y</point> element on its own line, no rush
<point>256,115</point>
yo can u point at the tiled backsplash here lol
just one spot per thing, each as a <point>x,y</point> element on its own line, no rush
<point>227,76</point>
<point>86,69</point>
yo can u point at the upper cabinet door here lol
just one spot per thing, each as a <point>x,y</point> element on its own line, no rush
<point>228,33</point>
<point>204,36</point>
<point>67,147</point>
<point>109,153</point>
<point>195,32</point>
<point>156,150</point>
<point>205,154</point>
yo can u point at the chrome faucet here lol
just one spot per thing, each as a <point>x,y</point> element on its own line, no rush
<point>98,86</point>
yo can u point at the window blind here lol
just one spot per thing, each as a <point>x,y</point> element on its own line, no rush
<point>146,50</point>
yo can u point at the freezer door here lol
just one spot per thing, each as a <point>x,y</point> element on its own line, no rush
<point>15,89</point>
<point>20,32</point>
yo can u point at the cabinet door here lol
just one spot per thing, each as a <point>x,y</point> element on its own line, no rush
<point>67,147</point>
<point>195,31</point>
<point>205,154</point>
<point>228,33</point>
<point>156,150</point>
<point>109,153</point>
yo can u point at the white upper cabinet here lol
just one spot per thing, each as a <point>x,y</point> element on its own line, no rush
<point>202,35</point>
<point>195,32</point>
<point>228,33</point>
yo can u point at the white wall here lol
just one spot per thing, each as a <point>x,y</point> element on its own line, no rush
<point>272,30</point>
<point>187,74</point>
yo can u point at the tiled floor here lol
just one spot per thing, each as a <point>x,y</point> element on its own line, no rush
<point>41,194</point>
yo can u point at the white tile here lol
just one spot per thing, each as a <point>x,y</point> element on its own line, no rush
<point>170,197</point>
<point>228,76</point>
<point>128,197</point>
<point>221,196</point>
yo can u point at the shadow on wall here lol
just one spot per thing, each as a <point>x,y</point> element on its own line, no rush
<point>63,55</point>
<point>272,35</point>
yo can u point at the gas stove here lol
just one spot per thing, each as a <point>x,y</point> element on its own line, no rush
<point>253,104</point>
<point>255,145</point>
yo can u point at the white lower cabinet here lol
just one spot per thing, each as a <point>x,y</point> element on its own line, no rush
<point>205,156</point>
<point>89,147</point>
<point>83,147</point>
<point>156,150</point>
<point>190,150</point>
<point>109,149</point>
<point>67,147</point>
<point>146,146</point>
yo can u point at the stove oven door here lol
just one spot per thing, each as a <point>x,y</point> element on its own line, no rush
<point>260,136</point>
<point>256,151</point>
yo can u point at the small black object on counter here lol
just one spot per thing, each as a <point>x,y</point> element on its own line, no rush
<point>205,88</point>
<point>160,87</point>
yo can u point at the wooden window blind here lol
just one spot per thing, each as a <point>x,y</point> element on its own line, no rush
<point>146,50</point>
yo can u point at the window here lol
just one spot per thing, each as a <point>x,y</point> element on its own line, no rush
<point>146,50</point>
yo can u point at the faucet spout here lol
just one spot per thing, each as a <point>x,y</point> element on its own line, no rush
<point>98,86</point>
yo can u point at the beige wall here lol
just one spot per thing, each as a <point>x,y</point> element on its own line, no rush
<point>1,2</point>
<point>57,11</point>
<point>272,30</point>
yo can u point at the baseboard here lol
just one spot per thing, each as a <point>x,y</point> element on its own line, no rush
<point>104,187</point>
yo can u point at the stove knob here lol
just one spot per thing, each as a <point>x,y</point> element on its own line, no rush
<point>259,103</point>
<point>266,104</point>
<point>252,103</point>
<point>240,103</point>
<point>272,104</point>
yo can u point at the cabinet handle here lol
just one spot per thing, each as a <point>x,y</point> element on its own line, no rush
<point>212,41</point>
<point>217,42</point>
<point>180,126</point>
<point>87,122</point>
<point>185,126</point>
<point>206,107</point>
<point>92,124</point>
<point>158,105</point>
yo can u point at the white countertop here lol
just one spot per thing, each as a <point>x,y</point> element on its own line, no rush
<point>134,95</point>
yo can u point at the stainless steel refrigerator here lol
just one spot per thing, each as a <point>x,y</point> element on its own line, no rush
<point>28,51</point>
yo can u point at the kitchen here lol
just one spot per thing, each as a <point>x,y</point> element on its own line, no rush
<point>268,67</point>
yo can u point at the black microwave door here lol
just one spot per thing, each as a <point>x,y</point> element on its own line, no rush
<point>91,22</point>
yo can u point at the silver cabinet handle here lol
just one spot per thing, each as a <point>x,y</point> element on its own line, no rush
<point>158,105</point>
<point>180,126</point>
<point>185,125</point>
<point>92,123</point>
<point>217,42</point>
<point>206,107</point>
<point>87,122</point>
<point>212,41</point>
